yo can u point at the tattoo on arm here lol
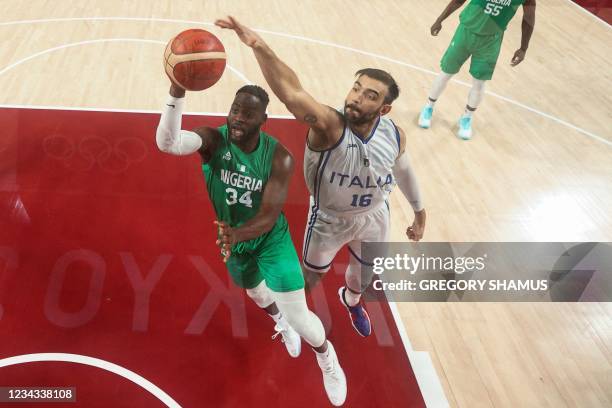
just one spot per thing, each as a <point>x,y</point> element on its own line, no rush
<point>310,119</point>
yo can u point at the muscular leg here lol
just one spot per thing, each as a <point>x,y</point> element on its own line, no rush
<point>438,87</point>
<point>293,306</point>
<point>436,90</point>
<point>475,96</point>
<point>311,277</point>
<point>474,99</point>
<point>357,281</point>
<point>262,296</point>
<point>308,325</point>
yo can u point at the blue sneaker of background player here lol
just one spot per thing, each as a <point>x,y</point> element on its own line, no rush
<point>425,117</point>
<point>465,127</point>
<point>359,316</point>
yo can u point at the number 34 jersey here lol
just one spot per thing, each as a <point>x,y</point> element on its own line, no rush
<point>235,180</point>
<point>355,176</point>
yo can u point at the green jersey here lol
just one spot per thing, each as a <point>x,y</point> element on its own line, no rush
<point>235,181</point>
<point>489,17</point>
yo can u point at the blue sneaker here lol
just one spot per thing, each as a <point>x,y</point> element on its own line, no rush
<point>359,316</point>
<point>465,128</point>
<point>425,117</point>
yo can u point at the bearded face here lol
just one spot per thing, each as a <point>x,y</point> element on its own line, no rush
<point>365,101</point>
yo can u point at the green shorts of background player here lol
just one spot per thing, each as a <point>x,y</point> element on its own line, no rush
<point>247,176</point>
<point>479,36</point>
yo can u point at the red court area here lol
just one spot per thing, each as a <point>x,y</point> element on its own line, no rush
<point>107,250</point>
<point>601,8</point>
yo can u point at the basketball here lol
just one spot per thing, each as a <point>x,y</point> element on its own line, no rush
<point>194,59</point>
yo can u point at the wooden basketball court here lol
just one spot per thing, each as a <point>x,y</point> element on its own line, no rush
<point>539,167</point>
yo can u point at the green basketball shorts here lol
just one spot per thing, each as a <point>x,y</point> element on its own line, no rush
<point>273,259</point>
<point>484,50</point>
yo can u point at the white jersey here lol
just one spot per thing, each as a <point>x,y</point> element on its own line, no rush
<point>354,177</point>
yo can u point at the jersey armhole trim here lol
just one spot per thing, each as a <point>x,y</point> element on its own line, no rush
<point>397,136</point>
<point>330,148</point>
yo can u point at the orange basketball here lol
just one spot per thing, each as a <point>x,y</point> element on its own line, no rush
<point>194,59</point>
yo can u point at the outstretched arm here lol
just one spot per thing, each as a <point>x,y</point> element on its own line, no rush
<point>274,196</point>
<point>407,182</point>
<point>172,139</point>
<point>527,26</point>
<point>450,9</point>
<point>326,123</point>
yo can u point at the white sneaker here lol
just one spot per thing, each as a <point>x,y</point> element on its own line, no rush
<point>334,379</point>
<point>292,340</point>
<point>425,117</point>
<point>465,128</point>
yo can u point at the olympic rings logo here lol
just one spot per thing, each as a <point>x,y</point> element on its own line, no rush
<point>83,155</point>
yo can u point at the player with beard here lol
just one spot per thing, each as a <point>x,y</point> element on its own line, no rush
<point>247,175</point>
<point>353,159</point>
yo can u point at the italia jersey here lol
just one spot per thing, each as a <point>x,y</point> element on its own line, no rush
<point>489,17</point>
<point>354,176</point>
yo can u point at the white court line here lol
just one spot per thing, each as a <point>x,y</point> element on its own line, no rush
<point>94,362</point>
<point>554,119</point>
<point>422,366</point>
<point>326,43</point>
<point>595,16</point>
<point>77,108</point>
<point>239,74</point>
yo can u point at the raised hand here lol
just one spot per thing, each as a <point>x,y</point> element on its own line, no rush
<point>246,35</point>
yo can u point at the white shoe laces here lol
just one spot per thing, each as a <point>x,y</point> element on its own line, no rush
<point>280,331</point>
<point>327,364</point>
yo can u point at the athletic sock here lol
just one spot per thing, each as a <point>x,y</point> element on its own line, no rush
<point>351,299</point>
<point>468,113</point>
<point>280,320</point>
<point>324,355</point>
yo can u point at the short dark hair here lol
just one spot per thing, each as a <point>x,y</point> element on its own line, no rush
<point>256,91</point>
<point>385,78</point>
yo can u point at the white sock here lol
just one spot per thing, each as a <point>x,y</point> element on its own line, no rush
<point>325,359</point>
<point>351,298</point>
<point>430,103</point>
<point>438,86</point>
<point>325,354</point>
<point>468,113</point>
<point>280,320</point>
<point>476,93</point>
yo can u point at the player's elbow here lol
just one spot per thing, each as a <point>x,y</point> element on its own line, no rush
<point>269,224</point>
<point>269,218</point>
<point>179,143</point>
<point>292,103</point>
<point>163,139</point>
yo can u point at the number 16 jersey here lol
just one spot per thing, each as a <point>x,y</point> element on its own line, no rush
<point>355,176</point>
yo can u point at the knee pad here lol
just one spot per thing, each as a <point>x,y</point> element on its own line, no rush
<point>476,93</point>
<point>295,310</point>
<point>261,295</point>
